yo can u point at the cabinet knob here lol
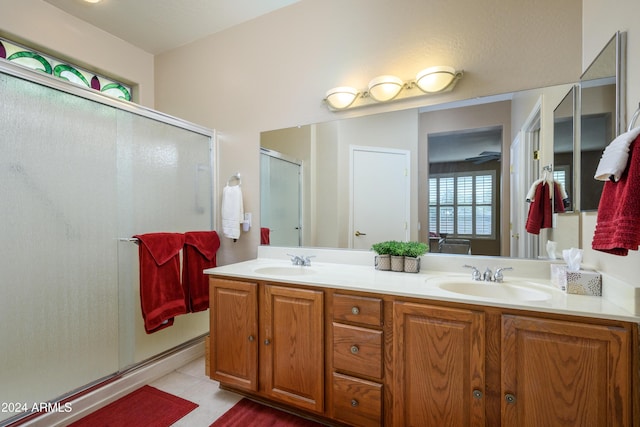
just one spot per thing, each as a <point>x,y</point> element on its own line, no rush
<point>510,398</point>
<point>251,338</point>
<point>355,310</point>
<point>477,394</point>
<point>354,403</point>
<point>354,349</point>
<point>267,341</point>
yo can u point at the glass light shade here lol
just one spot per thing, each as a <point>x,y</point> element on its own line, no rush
<point>385,88</point>
<point>435,79</point>
<point>341,97</point>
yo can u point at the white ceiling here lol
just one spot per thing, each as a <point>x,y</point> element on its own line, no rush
<point>160,25</point>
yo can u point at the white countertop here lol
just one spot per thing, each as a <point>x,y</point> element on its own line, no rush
<point>354,270</point>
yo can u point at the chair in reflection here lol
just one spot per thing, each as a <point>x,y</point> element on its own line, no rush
<point>455,246</point>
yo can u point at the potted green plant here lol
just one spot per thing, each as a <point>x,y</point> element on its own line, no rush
<point>397,250</point>
<point>383,257</point>
<point>412,253</point>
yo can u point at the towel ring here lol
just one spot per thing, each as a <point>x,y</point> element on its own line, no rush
<point>232,177</point>
<point>632,123</point>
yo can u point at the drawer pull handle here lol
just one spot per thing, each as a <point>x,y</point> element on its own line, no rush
<point>267,341</point>
<point>355,310</point>
<point>354,403</point>
<point>510,398</point>
<point>477,394</point>
<point>354,349</point>
<point>251,338</point>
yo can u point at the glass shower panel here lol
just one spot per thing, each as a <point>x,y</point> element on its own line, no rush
<point>164,185</point>
<point>58,258</point>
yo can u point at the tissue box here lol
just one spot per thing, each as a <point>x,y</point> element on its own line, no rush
<point>582,282</point>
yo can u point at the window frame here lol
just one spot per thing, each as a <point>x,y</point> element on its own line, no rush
<point>455,205</point>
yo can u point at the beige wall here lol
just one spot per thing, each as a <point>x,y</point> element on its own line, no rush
<point>43,27</point>
<point>273,72</point>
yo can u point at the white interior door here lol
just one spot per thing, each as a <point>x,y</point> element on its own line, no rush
<point>517,207</point>
<point>380,195</point>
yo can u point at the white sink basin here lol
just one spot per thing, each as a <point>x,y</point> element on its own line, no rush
<point>293,270</point>
<point>496,291</point>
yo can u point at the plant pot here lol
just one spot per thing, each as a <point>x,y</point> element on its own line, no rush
<point>411,264</point>
<point>397,263</point>
<point>383,262</point>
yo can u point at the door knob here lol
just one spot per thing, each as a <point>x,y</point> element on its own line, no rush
<point>360,234</point>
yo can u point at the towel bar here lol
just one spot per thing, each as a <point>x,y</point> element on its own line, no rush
<point>128,239</point>
<point>232,177</point>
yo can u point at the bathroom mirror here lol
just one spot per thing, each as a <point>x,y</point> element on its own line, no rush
<point>602,104</point>
<point>564,123</point>
<point>322,194</point>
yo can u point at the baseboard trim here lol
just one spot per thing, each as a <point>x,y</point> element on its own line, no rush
<point>102,396</point>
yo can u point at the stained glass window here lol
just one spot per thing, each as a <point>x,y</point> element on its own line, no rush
<point>29,58</point>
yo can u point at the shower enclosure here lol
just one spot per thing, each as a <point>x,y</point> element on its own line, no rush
<point>80,174</point>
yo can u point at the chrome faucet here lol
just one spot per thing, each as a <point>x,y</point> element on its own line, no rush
<point>497,276</point>
<point>488,275</point>
<point>475,273</point>
<point>301,260</point>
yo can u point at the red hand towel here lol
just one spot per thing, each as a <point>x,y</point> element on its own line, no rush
<point>558,203</point>
<point>264,236</point>
<point>199,253</point>
<point>540,215</point>
<point>161,294</point>
<point>618,224</point>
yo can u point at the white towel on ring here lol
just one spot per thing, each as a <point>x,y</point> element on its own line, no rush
<point>615,156</point>
<point>232,211</point>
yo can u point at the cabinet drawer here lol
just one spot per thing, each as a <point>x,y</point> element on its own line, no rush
<point>357,402</point>
<point>357,350</point>
<point>349,308</point>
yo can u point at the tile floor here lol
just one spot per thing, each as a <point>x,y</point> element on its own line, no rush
<point>191,383</point>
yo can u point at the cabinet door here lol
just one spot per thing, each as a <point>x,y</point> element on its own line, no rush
<point>438,366</point>
<point>292,351</point>
<point>559,373</point>
<point>234,333</point>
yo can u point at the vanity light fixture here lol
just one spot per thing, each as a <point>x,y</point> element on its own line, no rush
<point>92,1</point>
<point>385,88</point>
<point>388,88</point>
<point>342,97</point>
<point>435,79</point>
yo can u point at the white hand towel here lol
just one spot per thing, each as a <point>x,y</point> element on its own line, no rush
<point>615,156</point>
<point>232,211</point>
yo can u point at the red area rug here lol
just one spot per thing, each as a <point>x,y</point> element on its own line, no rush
<point>144,407</point>
<point>247,413</point>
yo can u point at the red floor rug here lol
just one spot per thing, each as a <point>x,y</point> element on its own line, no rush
<point>145,407</point>
<point>247,413</point>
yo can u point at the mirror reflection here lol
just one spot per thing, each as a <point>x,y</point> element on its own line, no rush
<point>353,182</point>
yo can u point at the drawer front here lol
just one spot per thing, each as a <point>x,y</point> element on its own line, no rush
<point>349,308</point>
<point>357,402</point>
<point>357,350</point>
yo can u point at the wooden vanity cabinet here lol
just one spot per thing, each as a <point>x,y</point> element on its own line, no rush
<point>439,372</point>
<point>559,373</point>
<point>268,339</point>
<point>396,361</point>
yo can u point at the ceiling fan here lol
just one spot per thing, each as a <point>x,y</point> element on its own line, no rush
<point>485,156</point>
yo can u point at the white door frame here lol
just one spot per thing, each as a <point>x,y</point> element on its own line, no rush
<point>407,154</point>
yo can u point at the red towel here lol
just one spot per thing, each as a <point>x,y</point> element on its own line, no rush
<point>161,294</point>
<point>199,253</point>
<point>264,236</point>
<point>618,224</point>
<point>540,215</point>
<point>558,203</point>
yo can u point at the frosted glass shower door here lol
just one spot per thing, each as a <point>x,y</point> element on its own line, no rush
<point>58,257</point>
<point>164,185</point>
